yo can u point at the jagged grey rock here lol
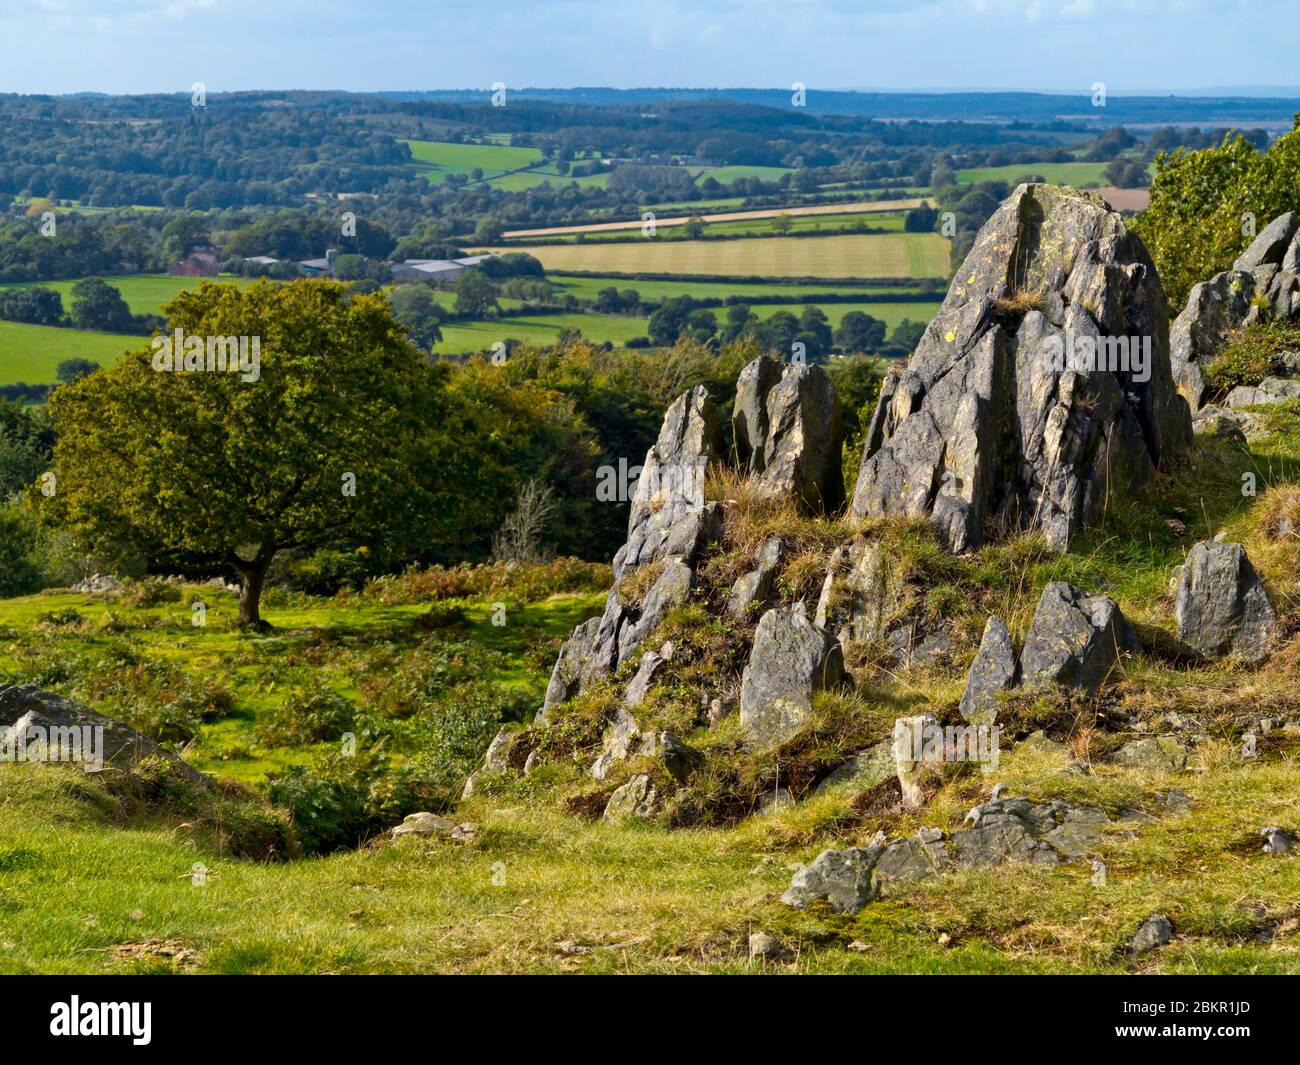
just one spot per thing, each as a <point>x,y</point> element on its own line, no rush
<point>674,754</point>
<point>670,589</point>
<point>39,725</point>
<point>1074,640</point>
<point>996,421</point>
<point>621,735</point>
<point>1269,390</point>
<point>1164,753</point>
<point>1155,931</point>
<point>749,412</point>
<point>993,670</point>
<point>862,772</point>
<point>1270,246</point>
<point>857,596</point>
<point>636,798</point>
<point>1261,286</point>
<point>650,664</point>
<point>1222,607</point>
<point>791,659</point>
<point>496,760</point>
<point>805,442</point>
<point>764,947</point>
<point>1213,308</point>
<point>1012,829</point>
<point>669,516</point>
<point>755,587</point>
<point>670,523</point>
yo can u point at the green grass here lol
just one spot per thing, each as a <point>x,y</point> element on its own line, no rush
<point>915,255</point>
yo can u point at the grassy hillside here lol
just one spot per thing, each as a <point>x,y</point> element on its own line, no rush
<point>97,874</point>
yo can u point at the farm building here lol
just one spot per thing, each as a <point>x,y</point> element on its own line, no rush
<point>201,262</point>
<point>435,269</point>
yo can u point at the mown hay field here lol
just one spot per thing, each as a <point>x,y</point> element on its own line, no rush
<point>858,255</point>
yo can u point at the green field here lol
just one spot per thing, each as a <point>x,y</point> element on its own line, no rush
<point>588,287</point>
<point>727,174</point>
<point>436,159</point>
<point>30,353</point>
<point>144,293</point>
<point>459,337</point>
<point>1080,175</point>
<point>866,255</point>
<point>889,313</point>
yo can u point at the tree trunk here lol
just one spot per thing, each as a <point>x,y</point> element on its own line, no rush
<point>252,576</point>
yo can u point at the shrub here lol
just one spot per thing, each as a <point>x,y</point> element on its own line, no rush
<point>152,591</point>
<point>307,717</point>
<point>342,800</point>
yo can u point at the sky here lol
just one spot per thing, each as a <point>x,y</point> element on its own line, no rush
<point>135,46</point>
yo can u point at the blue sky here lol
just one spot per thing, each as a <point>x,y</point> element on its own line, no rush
<point>132,46</point>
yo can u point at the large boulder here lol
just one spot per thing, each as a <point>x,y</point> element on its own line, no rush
<point>37,725</point>
<point>786,424</point>
<point>1222,607</point>
<point>993,671</point>
<point>1075,640</point>
<point>791,659</point>
<point>1041,386</point>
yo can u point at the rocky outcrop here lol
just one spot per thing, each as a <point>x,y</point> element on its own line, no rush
<point>1163,753</point>
<point>1263,285</point>
<point>1075,640</point>
<point>791,659</point>
<point>1012,829</point>
<point>37,725</point>
<point>1042,385</point>
<point>993,671</point>
<point>1222,607</point>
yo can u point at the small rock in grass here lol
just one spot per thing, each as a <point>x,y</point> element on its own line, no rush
<point>763,947</point>
<point>1156,931</point>
<point>1277,841</point>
